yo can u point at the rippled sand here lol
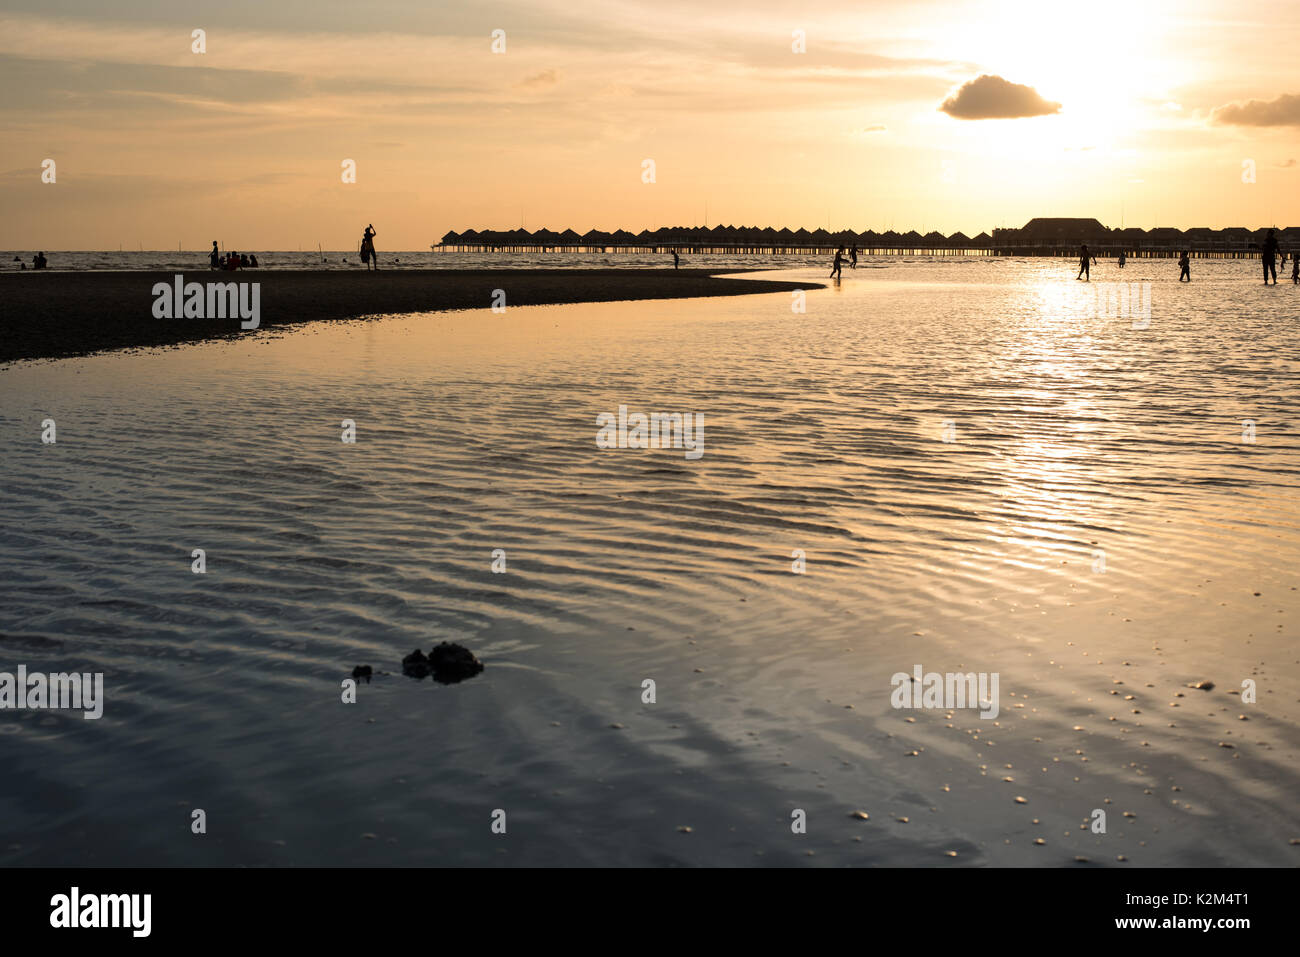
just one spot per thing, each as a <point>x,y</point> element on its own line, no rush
<point>823,432</point>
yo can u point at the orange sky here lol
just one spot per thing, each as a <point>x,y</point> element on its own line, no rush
<point>157,145</point>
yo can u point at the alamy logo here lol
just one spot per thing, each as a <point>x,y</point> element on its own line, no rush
<point>103,910</point>
<point>219,300</point>
<point>658,430</point>
<point>54,691</point>
<point>1123,300</point>
<point>946,691</point>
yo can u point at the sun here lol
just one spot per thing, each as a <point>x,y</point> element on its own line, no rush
<point>1104,61</point>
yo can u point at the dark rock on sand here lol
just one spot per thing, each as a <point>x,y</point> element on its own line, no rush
<point>447,662</point>
<point>452,663</point>
<point>416,665</point>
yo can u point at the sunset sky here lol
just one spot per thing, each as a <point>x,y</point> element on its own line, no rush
<point>1148,111</point>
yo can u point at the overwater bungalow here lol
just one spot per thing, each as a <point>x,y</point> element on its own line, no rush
<point>1038,237</point>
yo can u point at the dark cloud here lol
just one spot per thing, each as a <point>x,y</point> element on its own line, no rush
<point>1284,111</point>
<point>993,98</point>
<point>55,84</point>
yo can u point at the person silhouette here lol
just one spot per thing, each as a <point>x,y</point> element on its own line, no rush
<point>368,255</point>
<point>214,257</point>
<point>1295,270</point>
<point>39,261</point>
<point>1122,257</point>
<point>853,256</point>
<point>1185,268</point>
<point>1085,258</point>
<point>837,267</point>
<point>1269,257</point>
<point>676,259</point>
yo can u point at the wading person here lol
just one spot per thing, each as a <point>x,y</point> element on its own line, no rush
<point>1185,268</point>
<point>1269,257</point>
<point>1085,258</point>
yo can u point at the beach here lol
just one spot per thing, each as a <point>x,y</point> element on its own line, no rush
<point>951,467</point>
<point>51,314</point>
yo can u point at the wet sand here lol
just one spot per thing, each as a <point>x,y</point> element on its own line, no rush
<point>51,315</point>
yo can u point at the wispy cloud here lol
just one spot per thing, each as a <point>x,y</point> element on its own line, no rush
<point>1283,111</point>
<point>543,79</point>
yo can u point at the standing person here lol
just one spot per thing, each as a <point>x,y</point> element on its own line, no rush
<point>837,266</point>
<point>853,256</point>
<point>1185,268</point>
<point>368,255</point>
<point>214,258</point>
<point>1122,257</point>
<point>1295,270</point>
<point>1269,257</point>
<point>1085,258</point>
<point>676,259</point>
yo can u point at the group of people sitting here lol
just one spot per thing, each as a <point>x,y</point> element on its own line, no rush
<point>38,262</point>
<point>231,261</point>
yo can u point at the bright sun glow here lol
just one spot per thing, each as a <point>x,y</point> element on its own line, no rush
<point>1101,60</point>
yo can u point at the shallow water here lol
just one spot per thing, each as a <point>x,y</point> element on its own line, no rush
<point>344,260</point>
<point>1071,436</point>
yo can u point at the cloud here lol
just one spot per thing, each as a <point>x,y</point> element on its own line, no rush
<point>545,78</point>
<point>1284,111</point>
<point>993,98</point>
<point>1286,164</point>
<point>874,129</point>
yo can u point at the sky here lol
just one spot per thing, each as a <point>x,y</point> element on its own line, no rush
<point>859,114</point>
